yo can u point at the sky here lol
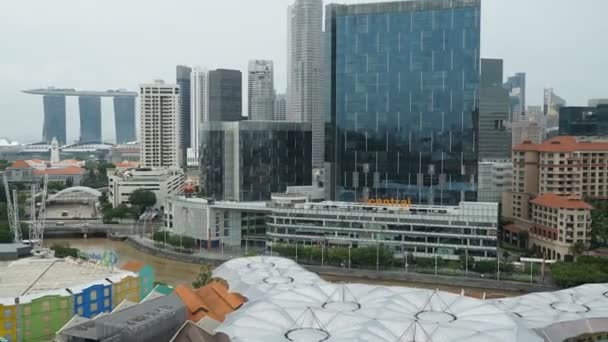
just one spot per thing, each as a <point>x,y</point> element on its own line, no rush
<point>115,44</point>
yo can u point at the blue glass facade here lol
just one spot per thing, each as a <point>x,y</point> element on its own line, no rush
<point>402,98</point>
<point>54,119</point>
<point>90,119</point>
<point>124,119</point>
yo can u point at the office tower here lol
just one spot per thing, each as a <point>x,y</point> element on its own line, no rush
<point>54,118</point>
<point>584,121</point>
<point>199,104</point>
<point>551,105</point>
<point>260,88</point>
<point>280,107</point>
<point>249,160</point>
<point>159,116</point>
<point>182,76</point>
<point>516,86</point>
<point>90,119</point>
<point>305,70</point>
<point>124,119</point>
<point>402,101</point>
<point>225,95</point>
<point>494,138</point>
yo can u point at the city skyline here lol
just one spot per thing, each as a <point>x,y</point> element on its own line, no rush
<point>74,61</point>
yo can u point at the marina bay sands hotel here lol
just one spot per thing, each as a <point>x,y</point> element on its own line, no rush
<point>89,103</point>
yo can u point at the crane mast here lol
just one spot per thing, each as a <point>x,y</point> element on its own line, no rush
<point>12,205</point>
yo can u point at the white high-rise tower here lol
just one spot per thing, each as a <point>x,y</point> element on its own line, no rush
<point>199,104</point>
<point>261,90</point>
<point>159,124</point>
<point>305,70</point>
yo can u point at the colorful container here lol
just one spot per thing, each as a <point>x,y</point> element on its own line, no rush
<point>8,320</point>
<point>146,276</point>
<point>92,299</point>
<point>41,315</point>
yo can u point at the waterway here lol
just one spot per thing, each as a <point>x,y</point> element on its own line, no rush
<point>177,272</point>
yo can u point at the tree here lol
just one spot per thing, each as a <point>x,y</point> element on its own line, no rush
<point>204,277</point>
<point>142,198</point>
<point>599,223</point>
<point>578,248</point>
<point>57,186</point>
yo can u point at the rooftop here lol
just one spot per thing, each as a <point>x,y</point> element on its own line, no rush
<point>212,300</point>
<point>562,144</point>
<point>33,276</point>
<point>74,92</point>
<point>552,200</point>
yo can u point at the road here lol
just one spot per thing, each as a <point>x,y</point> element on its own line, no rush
<point>176,272</point>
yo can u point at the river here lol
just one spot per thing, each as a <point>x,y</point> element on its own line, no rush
<point>175,272</point>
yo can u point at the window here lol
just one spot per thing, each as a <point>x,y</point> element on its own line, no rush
<point>8,313</point>
<point>93,295</point>
<point>79,300</point>
<point>93,306</point>
<point>106,303</point>
<point>80,312</point>
<point>8,325</point>
<point>106,292</point>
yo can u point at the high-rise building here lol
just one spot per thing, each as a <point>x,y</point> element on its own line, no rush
<point>551,105</point>
<point>90,119</point>
<point>54,118</point>
<point>516,86</point>
<point>280,107</point>
<point>494,138</point>
<point>199,106</point>
<point>523,131</point>
<point>305,70</point>
<point>124,119</point>
<point>249,160</point>
<point>225,95</point>
<point>182,76</point>
<point>495,176</point>
<point>260,88</point>
<point>90,114</point>
<point>584,121</point>
<point>402,101</point>
<point>159,127</point>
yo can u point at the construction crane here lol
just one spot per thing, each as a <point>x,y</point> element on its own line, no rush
<point>37,226</point>
<point>12,205</point>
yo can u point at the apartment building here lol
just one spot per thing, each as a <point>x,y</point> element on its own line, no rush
<point>556,174</point>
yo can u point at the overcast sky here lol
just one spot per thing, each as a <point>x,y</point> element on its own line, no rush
<point>120,43</point>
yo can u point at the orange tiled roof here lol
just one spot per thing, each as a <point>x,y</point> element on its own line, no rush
<point>133,266</point>
<point>20,164</point>
<point>552,200</point>
<point>212,300</point>
<point>562,144</point>
<point>70,170</point>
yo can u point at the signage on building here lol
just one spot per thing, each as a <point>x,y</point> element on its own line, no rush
<point>107,258</point>
<point>405,203</point>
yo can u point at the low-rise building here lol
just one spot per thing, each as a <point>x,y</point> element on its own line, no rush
<point>67,172</point>
<point>154,320</point>
<point>290,218</point>
<point>163,182</point>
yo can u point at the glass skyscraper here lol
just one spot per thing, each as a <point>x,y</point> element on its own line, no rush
<point>249,160</point>
<point>401,100</point>
<point>90,119</point>
<point>54,118</point>
<point>182,75</point>
<point>225,95</point>
<point>124,119</point>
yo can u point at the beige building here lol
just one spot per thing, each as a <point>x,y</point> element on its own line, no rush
<point>549,181</point>
<point>522,131</point>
